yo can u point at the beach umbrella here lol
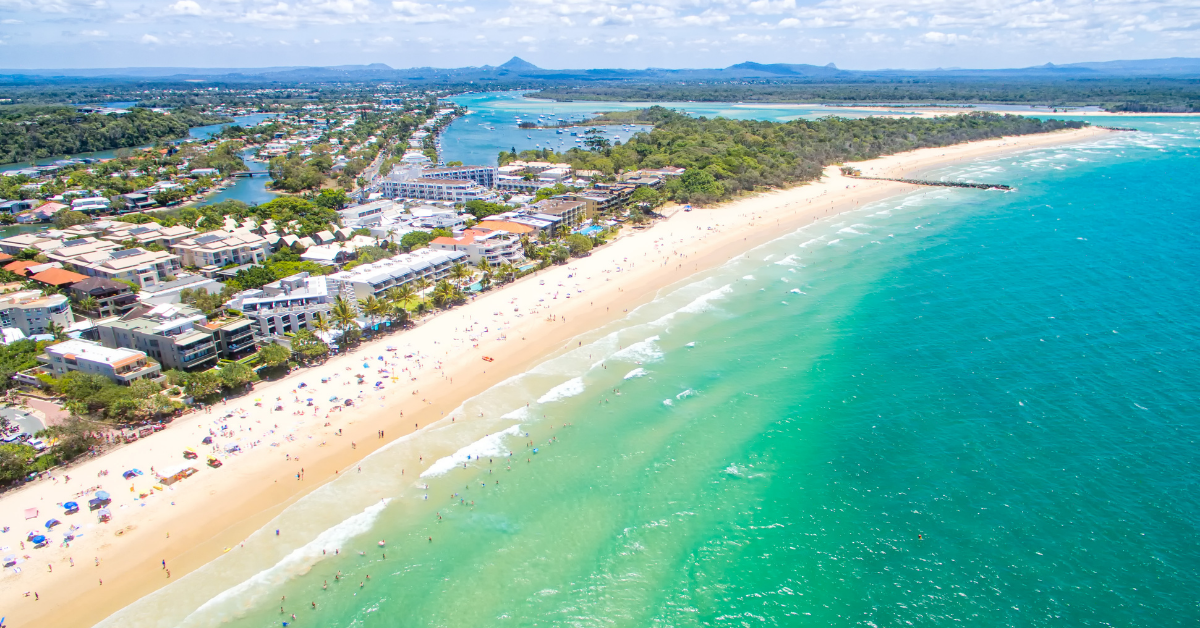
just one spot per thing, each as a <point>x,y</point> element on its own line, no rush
<point>51,523</point>
<point>32,533</point>
<point>366,366</point>
<point>71,506</point>
<point>38,540</point>
<point>333,398</point>
<point>10,560</point>
<point>103,495</point>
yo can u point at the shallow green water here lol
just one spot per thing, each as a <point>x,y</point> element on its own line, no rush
<point>953,407</point>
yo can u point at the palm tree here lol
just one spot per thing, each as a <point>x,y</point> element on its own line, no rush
<point>401,295</point>
<point>319,323</point>
<point>56,330</point>
<point>374,308</point>
<point>484,265</point>
<point>485,281</point>
<point>422,284</point>
<point>343,314</point>
<point>89,304</point>
<point>460,272</point>
<point>509,271</point>
<point>443,293</point>
<point>398,313</point>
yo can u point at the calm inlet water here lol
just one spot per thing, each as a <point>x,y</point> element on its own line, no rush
<point>491,125</point>
<point>951,407</point>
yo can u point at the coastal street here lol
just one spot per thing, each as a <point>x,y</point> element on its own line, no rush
<point>202,517</point>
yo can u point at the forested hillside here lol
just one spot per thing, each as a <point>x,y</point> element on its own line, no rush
<point>36,133</point>
<point>724,157</point>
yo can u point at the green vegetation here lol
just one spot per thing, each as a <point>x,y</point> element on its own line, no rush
<point>483,209</point>
<point>18,356</point>
<point>28,133</point>
<point>96,395</point>
<point>726,157</point>
<point>1113,94</point>
<point>226,157</point>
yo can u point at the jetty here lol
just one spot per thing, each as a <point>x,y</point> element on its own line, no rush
<point>249,173</point>
<point>943,184</point>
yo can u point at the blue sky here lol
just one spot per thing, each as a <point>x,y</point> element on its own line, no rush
<point>857,34</point>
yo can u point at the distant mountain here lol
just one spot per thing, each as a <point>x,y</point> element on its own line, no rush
<point>517,64</point>
<point>1158,67</point>
<point>521,72</point>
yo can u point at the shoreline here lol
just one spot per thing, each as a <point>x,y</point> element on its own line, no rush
<point>256,485</point>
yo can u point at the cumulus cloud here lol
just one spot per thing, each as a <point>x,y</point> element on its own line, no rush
<point>94,33</point>
<point>150,39</point>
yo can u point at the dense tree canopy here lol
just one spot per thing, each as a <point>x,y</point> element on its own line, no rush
<point>28,134</point>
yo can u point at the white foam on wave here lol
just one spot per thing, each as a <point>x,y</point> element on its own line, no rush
<point>797,291</point>
<point>849,230</point>
<point>790,260</point>
<point>750,277</point>
<point>569,388</point>
<point>700,303</point>
<point>298,562</point>
<point>668,402</point>
<point>812,241</point>
<point>638,372</point>
<point>644,351</point>
<point>490,445</point>
<point>833,242</point>
<point>685,394</point>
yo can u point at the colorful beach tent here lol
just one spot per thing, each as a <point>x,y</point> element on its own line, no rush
<point>51,523</point>
<point>38,540</point>
<point>70,506</point>
<point>102,495</point>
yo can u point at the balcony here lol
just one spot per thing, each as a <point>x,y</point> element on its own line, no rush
<point>150,370</point>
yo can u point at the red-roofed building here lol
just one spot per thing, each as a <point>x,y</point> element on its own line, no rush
<point>497,247</point>
<point>21,267</point>
<point>58,277</point>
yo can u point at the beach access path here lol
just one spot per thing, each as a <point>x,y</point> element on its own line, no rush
<point>195,520</point>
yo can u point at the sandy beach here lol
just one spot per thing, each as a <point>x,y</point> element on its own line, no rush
<point>435,366</point>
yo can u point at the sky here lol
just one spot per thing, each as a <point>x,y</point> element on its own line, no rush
<point>854,34</point>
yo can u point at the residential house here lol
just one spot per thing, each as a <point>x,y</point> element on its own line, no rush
<point>57,277</point>
<point>113,298</point>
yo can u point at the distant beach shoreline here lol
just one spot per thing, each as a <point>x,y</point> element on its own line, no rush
<point>198,519</point>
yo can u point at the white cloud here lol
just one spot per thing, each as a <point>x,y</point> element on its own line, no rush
<point>150,39</point>
<point>936,37</point>
<point>527,39</point>
<point>186,7</point>
<point>95,33</point>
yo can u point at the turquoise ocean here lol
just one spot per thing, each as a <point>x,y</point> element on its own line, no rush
<point>950,407</point>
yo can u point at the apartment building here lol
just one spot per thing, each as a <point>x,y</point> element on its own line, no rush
<point>430,189</point>
<point>219,248</point>
<point>173,334</point>
<point>485,176</point>
<point>32,313</point>
<point>285,306</point>
<point>497,247</point>
<point>123,366</point>
<point>377,277</point>
<point>571,212</point>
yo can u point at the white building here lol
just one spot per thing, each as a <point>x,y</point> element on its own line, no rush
<point>287,305</point>
<point>497,247</point>
<point>123,366</point>
<point>31,312</point>
<point>377,277</point>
